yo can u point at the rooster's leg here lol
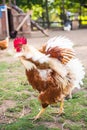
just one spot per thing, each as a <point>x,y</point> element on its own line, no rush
<point>39,114</point>
<point>61,109</point>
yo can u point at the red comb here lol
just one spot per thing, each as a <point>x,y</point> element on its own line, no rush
<point>19,41</point>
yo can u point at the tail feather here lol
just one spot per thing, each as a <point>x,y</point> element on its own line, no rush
<point>60,41</point>
<point>77,70</point>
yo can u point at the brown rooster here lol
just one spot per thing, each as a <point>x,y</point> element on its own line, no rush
<point>51,70</point>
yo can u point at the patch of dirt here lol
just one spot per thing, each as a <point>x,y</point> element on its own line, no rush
<point>5,105</point>
<point>11,117</point>
<point>52,124</point>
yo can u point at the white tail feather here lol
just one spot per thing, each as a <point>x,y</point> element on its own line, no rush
<point>77,70</point>
<point>61,42</point>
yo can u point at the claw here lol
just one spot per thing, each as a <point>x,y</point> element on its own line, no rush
<point>61,111</point>
<point>33,119</point>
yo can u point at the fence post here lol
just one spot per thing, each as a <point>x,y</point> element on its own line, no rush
<point>47,14</point>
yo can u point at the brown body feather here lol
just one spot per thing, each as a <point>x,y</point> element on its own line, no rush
<point>49,90</point>
<point>52,88</point>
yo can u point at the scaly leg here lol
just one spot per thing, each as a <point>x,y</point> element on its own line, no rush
<point>61,109</point>
<point>39,114</point>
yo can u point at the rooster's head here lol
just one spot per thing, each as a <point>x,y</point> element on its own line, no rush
<point>19,42</point>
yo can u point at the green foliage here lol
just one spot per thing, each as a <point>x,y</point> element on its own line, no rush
<point>37,11</point>
<point>55,9</point>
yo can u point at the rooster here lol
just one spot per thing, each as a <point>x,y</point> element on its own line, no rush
<point>4,44</point>
<point>53,70</point>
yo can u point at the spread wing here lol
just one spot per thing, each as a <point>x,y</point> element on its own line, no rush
<point>62,54</point>
<point>60,48</point>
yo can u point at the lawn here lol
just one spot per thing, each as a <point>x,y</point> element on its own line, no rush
<point>18,104</point>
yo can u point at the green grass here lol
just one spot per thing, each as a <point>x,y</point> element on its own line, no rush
<point>14,87</point>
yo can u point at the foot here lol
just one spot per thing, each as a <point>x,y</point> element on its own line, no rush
<point>36,118</point>
<point>38,115</point>
<point>61,111</point>
<point>33,118</point>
